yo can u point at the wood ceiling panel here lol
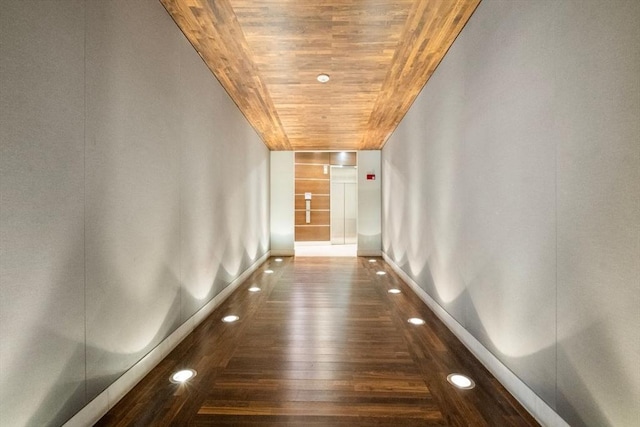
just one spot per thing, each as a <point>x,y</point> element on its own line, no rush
<point>267,54</point>
<point>213,30</point>
<point>431,29</point>
<point>353,42</point>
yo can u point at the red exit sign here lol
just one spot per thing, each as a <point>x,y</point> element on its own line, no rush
<point>371,177</point>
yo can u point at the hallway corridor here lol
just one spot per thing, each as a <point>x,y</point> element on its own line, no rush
<point>321,343</point>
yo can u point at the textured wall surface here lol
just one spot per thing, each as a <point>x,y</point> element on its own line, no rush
<point>282,203</point>
<point>42,313</point>
<point>511,194</point>
<point>132,192</point>
<point>369,203</point>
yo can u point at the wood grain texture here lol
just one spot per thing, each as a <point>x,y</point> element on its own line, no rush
<point>315,233</point>
<point>213,30</point>
<point>312,186</point>
<point>323,344</point>
<point>317,202</point>
<point>317,217</point>
<point>379,54</point>
<point>431,28</point>
<point>315,157</point>
<point>311,171</point>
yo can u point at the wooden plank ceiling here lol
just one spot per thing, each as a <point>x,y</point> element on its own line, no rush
<point>268,53</point>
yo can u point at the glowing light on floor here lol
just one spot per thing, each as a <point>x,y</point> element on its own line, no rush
<point>461,381</point>
<point>381,273</point>
<point>416,321</point>
<point>278,260</point>
<point>182,376</point>
<point>230,319</point>
<point>372,260</point>
<point>394,291</point>
<point>254,289</point>
<point>268,271</point>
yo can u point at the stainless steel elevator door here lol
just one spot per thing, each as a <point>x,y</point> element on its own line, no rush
<point>344,205</point>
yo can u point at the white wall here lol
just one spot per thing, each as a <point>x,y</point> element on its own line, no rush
<point>511,195</point>
<point>369,204</point>
<point>132,193</point>
<point>282,203</point>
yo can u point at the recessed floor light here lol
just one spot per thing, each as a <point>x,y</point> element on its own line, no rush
<point>461,381</point>
<point>381,273</point>
<point>182,376</point>
<point>268,271</point>
<point>230,319</point>
<point>416,321</point>
<point>278,260</point>
<point>254,289</point>
<point>323,78</point>
<point>372,260</point>
<point>394,291</point>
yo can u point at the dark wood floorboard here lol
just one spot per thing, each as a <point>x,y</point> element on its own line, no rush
<point>323,344</point>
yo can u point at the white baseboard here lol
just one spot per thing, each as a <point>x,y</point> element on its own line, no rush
<point>369,252</point>
<point>537,407</point>
<point>283,252</point>
<point>106,400</point>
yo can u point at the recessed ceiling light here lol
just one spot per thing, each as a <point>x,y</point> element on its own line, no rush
<point>278,260</point>
<point>461,381</point>
<point>182,376</point>
<point>254,289</point>
<point>230,319</point>
<point>380,273</point>
<point>394,291</point>
<point>372,260</point>
<point>323,78</point>
<point>268,271</point>
<point>416,321</point>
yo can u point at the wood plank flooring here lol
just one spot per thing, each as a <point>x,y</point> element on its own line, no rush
<point>322,344</point>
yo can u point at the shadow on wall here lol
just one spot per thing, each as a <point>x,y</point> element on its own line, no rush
<point>46,355</point>
<point>63,400</point>
<point>456,300</point>
<point>110,355</point>
<point>578,406</point>
<point>369,240</point>
<point>193,301</point>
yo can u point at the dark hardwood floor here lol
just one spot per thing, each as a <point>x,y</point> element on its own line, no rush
<point>322,344</point>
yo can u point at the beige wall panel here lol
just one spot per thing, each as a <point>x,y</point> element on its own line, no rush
<point>317,218</point>
<point>317,202</point>
<point>313,187</point>
<point>42,316</point>
<point>313,234</point>
<point>511,195</point>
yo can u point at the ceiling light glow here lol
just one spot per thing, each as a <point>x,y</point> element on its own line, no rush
<point>182,376</point>
<point>323,78</point>
<point>416,321</point>
<point>230,319</point>
<point>461,381</point>
<point>394,291</point>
